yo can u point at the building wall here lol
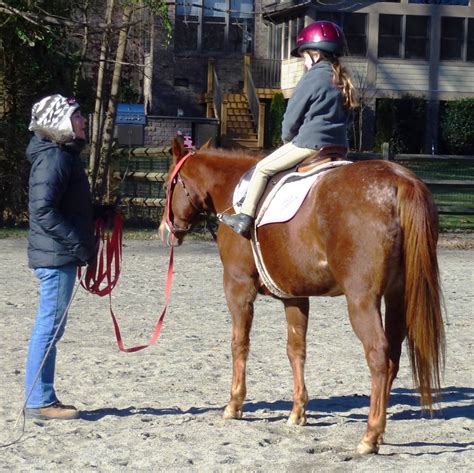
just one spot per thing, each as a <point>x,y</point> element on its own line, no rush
<point>160,131</point>
<point>433,79</point>
<point>455,80</point>
<point>173,68</point>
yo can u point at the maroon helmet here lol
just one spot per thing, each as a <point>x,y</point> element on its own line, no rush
<point>323,35</point>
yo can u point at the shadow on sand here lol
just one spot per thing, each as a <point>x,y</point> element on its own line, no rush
<point>323,407</point>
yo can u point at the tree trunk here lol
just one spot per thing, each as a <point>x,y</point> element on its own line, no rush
<point>84,47</point>
<point>148,69</point>
<point>99,100</point>
<point>101,183</point>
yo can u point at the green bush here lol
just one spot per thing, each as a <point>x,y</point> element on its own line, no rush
<point>401,122</point>
<point>275,119</point>
<point>457,126</point>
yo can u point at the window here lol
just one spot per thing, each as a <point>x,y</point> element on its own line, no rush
<point>390,35</point>
<point>441,2</point>
<point>404,36</point>
<point>296,25</point>
<point>241,25</point>
<point>452,38</point>
<point>286,43</point>
<point>457,39</point>
<point>355,29</point>
<point>417,41</point>
<point>186,26</point>
<point>470,40</point>
<point>288,32</point>
<point>274,43</point>
<point>214,26</point>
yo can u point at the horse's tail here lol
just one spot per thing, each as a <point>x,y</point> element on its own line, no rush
<point>423,298</point>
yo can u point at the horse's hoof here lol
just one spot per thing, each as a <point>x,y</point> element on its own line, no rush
<point>295,419</point>
<point>366,448</point>
<point>230,413</point>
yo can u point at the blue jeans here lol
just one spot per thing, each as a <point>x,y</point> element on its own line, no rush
<point>56,286</point>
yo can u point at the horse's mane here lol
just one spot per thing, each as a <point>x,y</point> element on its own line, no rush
<point>231,154</point>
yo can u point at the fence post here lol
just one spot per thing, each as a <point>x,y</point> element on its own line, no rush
<point>224,118</point>
<point>386,151</point>
<point>246,68</point>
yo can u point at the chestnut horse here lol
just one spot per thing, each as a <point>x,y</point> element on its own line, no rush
<point>367,230</point>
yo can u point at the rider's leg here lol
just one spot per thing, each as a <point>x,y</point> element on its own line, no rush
<point>282,158</point>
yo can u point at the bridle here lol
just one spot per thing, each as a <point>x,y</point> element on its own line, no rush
<point>176,178</point>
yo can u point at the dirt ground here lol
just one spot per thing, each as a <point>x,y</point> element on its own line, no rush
<point>161,409</point>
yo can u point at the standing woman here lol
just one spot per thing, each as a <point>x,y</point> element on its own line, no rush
<point>317,114</point>
<point>60,239</point>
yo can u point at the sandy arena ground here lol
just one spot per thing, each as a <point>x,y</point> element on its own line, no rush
<point>160,409</point>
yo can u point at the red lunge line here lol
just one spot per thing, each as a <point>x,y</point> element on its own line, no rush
<point>109,255</point>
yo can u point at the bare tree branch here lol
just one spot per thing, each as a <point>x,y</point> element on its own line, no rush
<point>45,17</point>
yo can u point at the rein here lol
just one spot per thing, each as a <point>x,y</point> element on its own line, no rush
<point>101,278</point>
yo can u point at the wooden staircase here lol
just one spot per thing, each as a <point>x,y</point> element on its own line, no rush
<point>240,130</point>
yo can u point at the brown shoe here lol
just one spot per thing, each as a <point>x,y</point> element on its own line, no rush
<point>54,411</point>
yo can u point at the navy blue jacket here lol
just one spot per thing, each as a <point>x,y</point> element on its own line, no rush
<point>315,115</point>
<point>60,206</point>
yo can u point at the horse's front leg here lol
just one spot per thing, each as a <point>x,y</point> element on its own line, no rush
<point>297,311</point>
<point>240,293</point>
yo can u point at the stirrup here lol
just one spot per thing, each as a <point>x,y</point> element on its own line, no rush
<point>240,223</point>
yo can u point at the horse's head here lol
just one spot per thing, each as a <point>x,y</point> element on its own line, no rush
<point>183,207</point>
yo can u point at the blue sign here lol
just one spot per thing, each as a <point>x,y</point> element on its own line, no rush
<point>130,114</point>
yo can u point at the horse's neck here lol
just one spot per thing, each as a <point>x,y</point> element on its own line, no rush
<point>221,176</point>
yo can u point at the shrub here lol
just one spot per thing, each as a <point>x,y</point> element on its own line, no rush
<point>401,122</point>
<point>277,110</point>
<point>457,126</point>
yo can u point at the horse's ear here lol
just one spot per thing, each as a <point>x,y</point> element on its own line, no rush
<point>178,147</point>
<point>207,144</point>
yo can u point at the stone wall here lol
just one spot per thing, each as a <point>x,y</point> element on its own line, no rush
<point>160,130</point>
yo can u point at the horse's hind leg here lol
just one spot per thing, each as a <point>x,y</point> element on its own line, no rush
<point>367,324</point>
<point>297,311</point>
<point>395,331</point>
<point>240,298</point>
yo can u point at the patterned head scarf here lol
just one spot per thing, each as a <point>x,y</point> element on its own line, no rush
<point>51,118</point>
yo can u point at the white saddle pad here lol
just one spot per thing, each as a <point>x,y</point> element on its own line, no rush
<point>282,203</point>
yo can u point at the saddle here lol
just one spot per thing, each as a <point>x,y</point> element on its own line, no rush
<point>321,156</point>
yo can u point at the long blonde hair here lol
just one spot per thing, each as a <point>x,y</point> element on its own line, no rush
<point>342,78</point>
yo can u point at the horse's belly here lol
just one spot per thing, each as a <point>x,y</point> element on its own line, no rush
<point>299,275</point>
<point>317,281</point>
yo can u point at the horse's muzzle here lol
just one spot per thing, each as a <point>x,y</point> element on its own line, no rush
<point>168,237</point>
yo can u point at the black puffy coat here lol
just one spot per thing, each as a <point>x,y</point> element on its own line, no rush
<point>60,206</point>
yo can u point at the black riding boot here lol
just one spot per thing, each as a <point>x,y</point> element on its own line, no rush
<point>240,223</point>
